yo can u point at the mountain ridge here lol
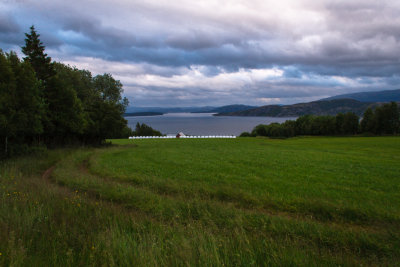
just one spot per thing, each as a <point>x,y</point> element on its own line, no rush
<point>203,109</point>
<point>229,108</point>
<point>354,102</point>
<point>320,107</point>
<point>373,96</point>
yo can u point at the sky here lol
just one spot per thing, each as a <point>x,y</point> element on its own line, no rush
<point>213,53</point>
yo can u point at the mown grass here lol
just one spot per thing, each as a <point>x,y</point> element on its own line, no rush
<point>205,202</point>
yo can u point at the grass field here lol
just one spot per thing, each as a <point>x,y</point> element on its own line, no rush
<point>205,202</point>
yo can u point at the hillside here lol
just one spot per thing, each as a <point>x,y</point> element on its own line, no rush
<point>204,109</point>
<point>355,102</point>
<point>324,107</point>
<point>228,108</point>
<point>233,108</point>
<point>169,109</point>
<point>377,96</point>
<point>135,114</point>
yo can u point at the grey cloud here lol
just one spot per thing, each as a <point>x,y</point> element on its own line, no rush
<point>210,71</point>
<point>292,72</point>
<point>191,41</point>
<point>8,24</point>
<point>50,40</point>
<point>11,39</point>
<point>237,45</point>
<point>394,81</point>
<point>10,35</point>
<point>93,29</point>
<point>195,96</point>
<point>356,39</point>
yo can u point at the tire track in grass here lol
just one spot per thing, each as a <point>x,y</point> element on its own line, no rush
<point>360,229</point>
<point>46,175</point>
<point>301,212</point>
<point>93,197</point>
<point>177,202</point>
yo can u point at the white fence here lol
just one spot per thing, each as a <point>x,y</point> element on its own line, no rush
<point>187,136</point>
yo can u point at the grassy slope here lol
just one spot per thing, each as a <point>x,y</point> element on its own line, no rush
<point>304,201</point>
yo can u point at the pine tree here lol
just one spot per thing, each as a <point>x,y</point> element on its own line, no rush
<point>368,123</point>
<point>34,51</point>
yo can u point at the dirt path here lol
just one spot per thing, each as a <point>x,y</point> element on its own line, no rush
<point>47,174</point>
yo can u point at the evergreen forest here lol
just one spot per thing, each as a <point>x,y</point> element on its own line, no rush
<point>49,104</point>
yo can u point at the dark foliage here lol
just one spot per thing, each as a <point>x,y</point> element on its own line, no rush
<point>34,51</point>
<point>367,123</point>
<point>149,113</point>
<point>384,119</point>
<point>245,134</point>
<point>145,130</point>
<point>44,103</point>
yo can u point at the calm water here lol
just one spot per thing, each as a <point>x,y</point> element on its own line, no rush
<point>202,123</point>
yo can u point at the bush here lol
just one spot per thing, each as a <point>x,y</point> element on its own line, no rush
<point>259,130</point>
<point>245,134</point>
<point>384,120</point>
<point>145,130</point>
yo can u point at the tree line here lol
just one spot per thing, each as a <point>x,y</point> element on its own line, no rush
<point>145,130</point>
<point>383,120</point>
<point>48,104</point>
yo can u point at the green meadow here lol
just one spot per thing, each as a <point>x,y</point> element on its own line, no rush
<point>307,201</point>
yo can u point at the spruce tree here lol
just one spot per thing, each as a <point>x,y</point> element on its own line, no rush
<point>34,51</point>
<point>368,123</point>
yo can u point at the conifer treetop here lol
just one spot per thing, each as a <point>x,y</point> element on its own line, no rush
<point>34,51</point>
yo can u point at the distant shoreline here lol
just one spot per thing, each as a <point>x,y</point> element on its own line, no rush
<point>137,114</point>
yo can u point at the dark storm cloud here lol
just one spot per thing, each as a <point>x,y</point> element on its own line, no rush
<point>9,31</point>
<point>8,24</point>
<point>193,51</point>
<point>220,43</point>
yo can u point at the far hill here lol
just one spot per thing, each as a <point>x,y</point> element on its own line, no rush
<point>229,108</point>
<point>136,114</point>
<point>205,109</point>
<point>169,109</point>
<point>322,107</point>
<point>376,96</point>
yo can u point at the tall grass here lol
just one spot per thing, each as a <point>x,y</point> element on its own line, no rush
<point>244,202</point>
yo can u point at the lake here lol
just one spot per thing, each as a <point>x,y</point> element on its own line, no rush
<point>202,123</point>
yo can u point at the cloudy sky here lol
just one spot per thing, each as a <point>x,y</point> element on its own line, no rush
<point>195,53</point>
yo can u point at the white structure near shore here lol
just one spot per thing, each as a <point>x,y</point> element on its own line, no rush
<point>182,136</point>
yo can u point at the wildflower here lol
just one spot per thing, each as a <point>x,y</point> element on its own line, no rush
<point>93,248</point>
<point>0,254</point>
